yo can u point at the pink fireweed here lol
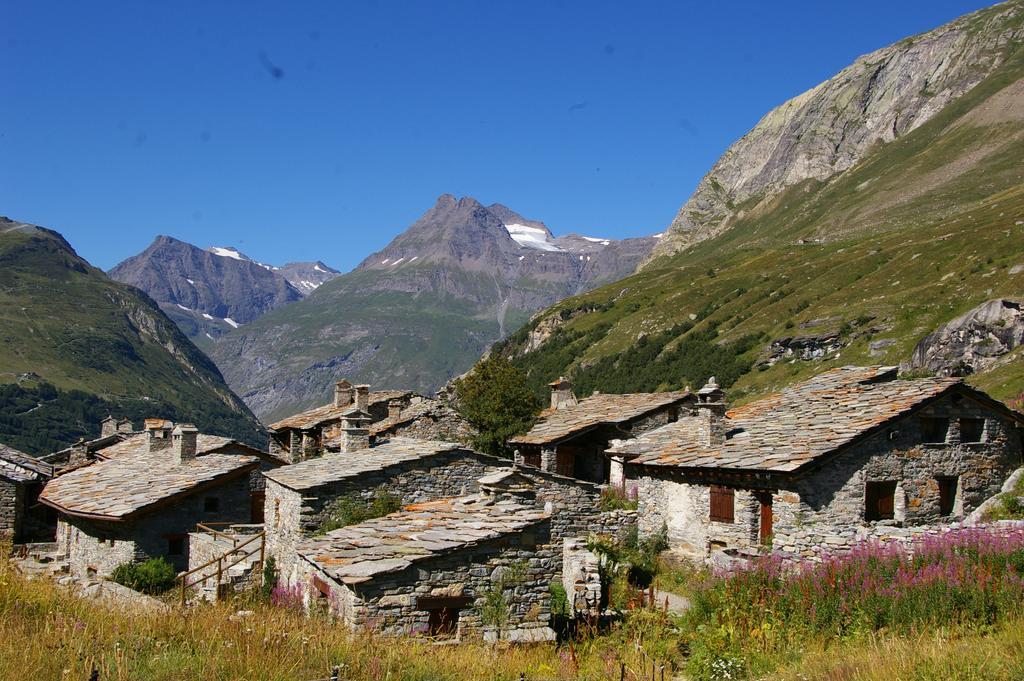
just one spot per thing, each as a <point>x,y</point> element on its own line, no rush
<point>968,576</point>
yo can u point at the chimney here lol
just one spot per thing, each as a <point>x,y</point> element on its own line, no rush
<point>184,442</point>
<point>79,453</point>
<point>342,393</point>
<point>124,426</point>
<point>158,432</point>
<point>561,393</point>
<point>394,409</point>
<point>108,426</point>
<point>363,398</point>
<point>355,431</point>
<point>711,414</point>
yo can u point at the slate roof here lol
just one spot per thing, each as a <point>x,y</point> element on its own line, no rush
<point>425,408</point>
<point>21,467</point>
<point>328,412</point>
<point>132,482</point>
<point>139,444</point>
<point>786,430</point>
<point>359,553</point>
<point>334,467</point>
<point>558,424</point>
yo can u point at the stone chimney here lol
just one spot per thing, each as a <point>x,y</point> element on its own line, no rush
<point>79,453</point>
<point>184,442</point>
<point>124,426</point>
<point>711,414</point>
<point>158,434</point>
<point>561,393</point>
<point>108,426</point>
<point>394,409</point>
<point>355,431</point>
<point>507,483</point>
<point>343,393</point>
<point>363,398</point>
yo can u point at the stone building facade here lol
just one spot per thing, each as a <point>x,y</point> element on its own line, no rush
<point>460,569</point>
<point>845,456</point>
<point>572,436</point>
<point>141,503</point>
<point>21,480</point>
<point>307,434</point>
<point>423,419</point>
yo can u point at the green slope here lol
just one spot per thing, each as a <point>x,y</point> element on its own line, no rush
<point>75,346</point>
<point>919,231</point>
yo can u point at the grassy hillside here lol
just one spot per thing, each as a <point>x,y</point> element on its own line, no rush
<point>76,346</point>
<point>921,230</point>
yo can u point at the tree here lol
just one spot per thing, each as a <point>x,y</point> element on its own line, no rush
<point>497,401</point>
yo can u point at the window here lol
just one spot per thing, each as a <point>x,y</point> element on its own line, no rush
<point>176,546</point>
<point>934,430</point>
<point>947,494</point>
<point>442,614</point>
<point>723,504</point>
<point>971,430</point>
<point>211,504</point>
<point>880,501</point>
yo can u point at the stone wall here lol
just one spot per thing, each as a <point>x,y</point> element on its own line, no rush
<point>97,547</point>
<point>12,506</point>
<point>391,604</point>
<point>823,509</point>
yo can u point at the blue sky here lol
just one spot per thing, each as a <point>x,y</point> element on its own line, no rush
<point>320,130</point>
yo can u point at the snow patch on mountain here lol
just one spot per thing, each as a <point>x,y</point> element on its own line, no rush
<point>530,237</point>
<point>227,253</point>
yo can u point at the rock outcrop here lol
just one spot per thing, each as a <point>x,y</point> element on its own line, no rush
<point>972,342</point>
<point>880,97</point>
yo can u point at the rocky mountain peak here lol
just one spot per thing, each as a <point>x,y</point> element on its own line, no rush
<point>879,98</point>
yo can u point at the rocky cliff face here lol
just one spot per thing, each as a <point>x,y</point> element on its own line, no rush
<point>973,342</point>
<point>879,98</point>
<point>209,292</point>
<point>421,310</point>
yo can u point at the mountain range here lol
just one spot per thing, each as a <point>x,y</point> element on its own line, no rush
<point>209,292</point>
<point>76,346</point>
<point>421,310</point>
<point>850,225</point>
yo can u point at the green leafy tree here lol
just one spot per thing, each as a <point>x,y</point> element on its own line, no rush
<point>498,402</point>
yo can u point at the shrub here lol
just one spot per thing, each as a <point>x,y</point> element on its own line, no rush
<point>269,579</point>
<point>617,498</point>
<point>153,576</point>
<point>352,509</point>
<point>497,401</point>
<point>559,600</point>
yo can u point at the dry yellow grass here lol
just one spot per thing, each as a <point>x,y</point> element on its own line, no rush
<point>47,633</point>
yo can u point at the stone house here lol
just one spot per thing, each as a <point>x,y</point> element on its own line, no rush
<point>22,478</point>
<point>298,496</point>
<point>850,454</point>
<point>141,501</point>
<point>424,419</point>
<point>304,435</point>
<point>112,431</point>
<point>433,568</point>
<point>572,436</point>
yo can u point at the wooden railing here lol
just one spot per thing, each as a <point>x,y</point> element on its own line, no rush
<point>224,558</point>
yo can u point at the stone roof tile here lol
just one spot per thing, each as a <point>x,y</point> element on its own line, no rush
<point>311,418</point>
<point>786,430</point>
<point>359,553</point>
<point>596,410</point>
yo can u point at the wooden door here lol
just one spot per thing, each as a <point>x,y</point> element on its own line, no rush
<point>765,502</point>
<point>256,507</point>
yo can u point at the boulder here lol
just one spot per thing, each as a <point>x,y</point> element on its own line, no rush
<point>972,342</point>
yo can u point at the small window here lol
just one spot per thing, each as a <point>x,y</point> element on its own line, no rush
<point>880,501</point>
<point>947,495</point>
<point>175,546</point>
<point>933,430</point>
<point>211,504</point>
<point>723,504</point>
<point>443,622</point>
<point>972,430</point>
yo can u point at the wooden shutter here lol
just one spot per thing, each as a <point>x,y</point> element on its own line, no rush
<point>765,531</point>
<point>880,501</point>
<point>722,504</point>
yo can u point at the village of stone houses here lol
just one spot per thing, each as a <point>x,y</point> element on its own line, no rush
<point>749,406</point>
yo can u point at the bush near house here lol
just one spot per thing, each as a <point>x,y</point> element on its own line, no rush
<point>497,401</point>
<point>153,576</point>
<point>352,508</point>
